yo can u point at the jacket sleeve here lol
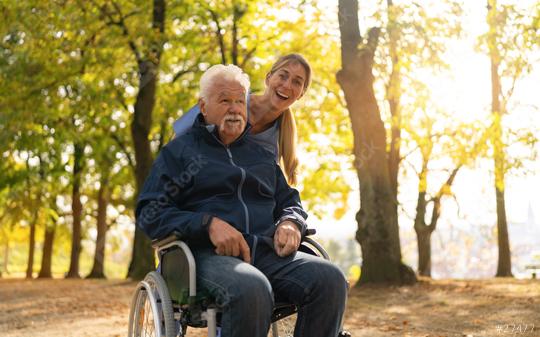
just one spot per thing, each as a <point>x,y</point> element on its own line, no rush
<point>288,204</point>
<point>185,122</point>
<point>157,214</point>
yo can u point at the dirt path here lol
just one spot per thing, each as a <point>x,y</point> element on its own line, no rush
<point>437,308</point>
<point>447,308</point>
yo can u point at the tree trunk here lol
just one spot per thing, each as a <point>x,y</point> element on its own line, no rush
<point>6,259</point>
<point>46,261</point>
<point>36,205</point>
<point>424,252</point>
<point>423,230</point>
<point>76,208</point>
<point>142,259</point>
<point>504,265</point>
<point>378,232</point>
<point>99,256</point>
<point>32,245</point>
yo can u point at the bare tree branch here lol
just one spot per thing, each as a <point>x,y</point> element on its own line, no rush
<point>123,147</point>
<point>220,37</point>
<point>120,22</point>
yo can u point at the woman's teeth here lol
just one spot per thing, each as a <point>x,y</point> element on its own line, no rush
<point>281,95</point>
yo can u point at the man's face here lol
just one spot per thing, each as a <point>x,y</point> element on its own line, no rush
<point>225,107</point>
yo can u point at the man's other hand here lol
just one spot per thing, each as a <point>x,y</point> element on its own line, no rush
<point>227,240</point>
<point>287,238</point>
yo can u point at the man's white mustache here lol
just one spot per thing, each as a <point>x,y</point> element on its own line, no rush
<point>233,118</point>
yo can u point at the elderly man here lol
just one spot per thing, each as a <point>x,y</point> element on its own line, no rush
<point>229,199</point>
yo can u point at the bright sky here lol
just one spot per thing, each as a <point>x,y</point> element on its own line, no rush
<point>466,92</point>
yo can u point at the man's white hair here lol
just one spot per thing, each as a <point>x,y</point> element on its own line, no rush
<point>228,72</point>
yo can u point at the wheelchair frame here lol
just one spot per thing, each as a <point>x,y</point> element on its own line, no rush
<point>171,318</point>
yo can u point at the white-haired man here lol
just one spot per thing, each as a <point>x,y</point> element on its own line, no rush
<point>232,205</point>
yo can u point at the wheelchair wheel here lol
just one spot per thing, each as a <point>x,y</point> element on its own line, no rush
<point>284,327</point>
<point>151,313</point>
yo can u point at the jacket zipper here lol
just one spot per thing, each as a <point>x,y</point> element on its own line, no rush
<point>239,190</point>
<point>255,239</point>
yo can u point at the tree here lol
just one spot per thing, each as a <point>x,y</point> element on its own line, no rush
<point>511,37</point>
<point>77,210</point>
<point>146,50</point>
<point>48,242</point>
<point>112,174</point>
<point>456,141</point>
<point>410,38</point>
<point>35,217</point>
<point>142,260</point>
<point>504,265</point>
<point>101,220</point>
<point>378,232</point>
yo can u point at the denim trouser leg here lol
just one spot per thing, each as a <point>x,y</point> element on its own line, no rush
<point>315,285</point>
<point>240,290</point>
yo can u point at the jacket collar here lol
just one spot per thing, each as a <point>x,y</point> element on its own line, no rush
<point>210,132</point>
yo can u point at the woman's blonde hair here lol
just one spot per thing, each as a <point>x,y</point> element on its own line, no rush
<point>287,132</point>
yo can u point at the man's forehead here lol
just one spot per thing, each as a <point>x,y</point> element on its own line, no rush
<point>230,91</point>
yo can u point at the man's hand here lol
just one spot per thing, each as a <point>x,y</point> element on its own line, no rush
<point>228,240</point>
<point>287,238</point>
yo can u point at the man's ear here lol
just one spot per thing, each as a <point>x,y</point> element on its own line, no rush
<point>202,106</point>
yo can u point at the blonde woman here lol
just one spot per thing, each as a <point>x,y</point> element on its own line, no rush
<point>272,122</point>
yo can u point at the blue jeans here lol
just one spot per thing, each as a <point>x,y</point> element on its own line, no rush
<point>245,293</point>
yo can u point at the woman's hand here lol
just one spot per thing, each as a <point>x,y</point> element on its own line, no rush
<point>287,238</point>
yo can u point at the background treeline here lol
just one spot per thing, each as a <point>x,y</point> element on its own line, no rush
<point>89,91</point>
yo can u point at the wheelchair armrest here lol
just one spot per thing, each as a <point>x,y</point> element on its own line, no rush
<point>310,231</point>
<point>311,246</point>
<point>174,236</point>
<point>177,266</point>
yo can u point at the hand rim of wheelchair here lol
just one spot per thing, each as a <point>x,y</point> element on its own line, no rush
<point>160,305</point>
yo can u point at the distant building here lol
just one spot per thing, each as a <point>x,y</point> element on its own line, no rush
<point>525,233</point>
<point>524,241</point>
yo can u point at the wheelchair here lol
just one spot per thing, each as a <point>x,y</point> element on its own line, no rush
<point>166,302</point>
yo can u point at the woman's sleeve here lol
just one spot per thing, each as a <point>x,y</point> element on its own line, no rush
<point>185,122</point>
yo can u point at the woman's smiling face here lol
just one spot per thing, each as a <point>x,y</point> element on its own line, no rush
<point>285,85</point>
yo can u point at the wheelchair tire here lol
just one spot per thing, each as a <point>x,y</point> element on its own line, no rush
<point>283,327</point>
<point>151,313</point>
